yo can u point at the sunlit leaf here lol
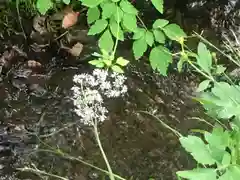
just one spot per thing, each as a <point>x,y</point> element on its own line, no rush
<point>139,47</point>
<point>107,62</point>
<point>160,23</point>
<point>180,62</point>
<point>174,32</point>
<point>204,59</point>
<point>203,85</point>
<point>93,14</point>
<point>127,7</point>
<point>118,15</point>
<point>139,32</point>
<point>121,61</point>
<point>130,22</point>
<point>226,161</point>
<point>106,41</point>
<point>198,149</point>
<point>220,69</point>
<point>218,138</point>
<point>98,63</point>
<point>149,38</point>
<point>91,3</point>
<point>158,4</point>
<point>160,58</point>
<point>98,27</point>
<point>117,69</point>
<point>44,5</point>
<point>108,9</point>
<point>232,173</point>
<point>199,174</point>
<point>67,1</point>
<point>159,36</point>
<point>116,30</point>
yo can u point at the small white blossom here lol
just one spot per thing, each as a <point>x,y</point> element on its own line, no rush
<point>89,90</point>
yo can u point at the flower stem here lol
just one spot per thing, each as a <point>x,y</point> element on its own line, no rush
<point>111,176</point>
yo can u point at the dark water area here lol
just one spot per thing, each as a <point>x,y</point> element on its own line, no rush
<point>37,112</point>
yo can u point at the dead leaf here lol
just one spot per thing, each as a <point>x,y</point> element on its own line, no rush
<point>70,19</point>
<point>76,49</point>
<point>33,64</point>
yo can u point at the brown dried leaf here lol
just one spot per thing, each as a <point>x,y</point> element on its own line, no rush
<point>76,49</point>
<point>70,19</point>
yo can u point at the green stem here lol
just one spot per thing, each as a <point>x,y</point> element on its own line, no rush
<point>19,18</point>
<point>68,157</point>
<point>224,54</point>
<point>178,134</point>
<point>202,73</point>
<point>37,171</point>
<point>141,21</point>
<point>117,38</point>
<point>103,153</point>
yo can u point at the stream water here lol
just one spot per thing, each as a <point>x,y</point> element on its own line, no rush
<point>36,104</point>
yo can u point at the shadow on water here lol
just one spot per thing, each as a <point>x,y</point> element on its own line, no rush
<point>136,144</point>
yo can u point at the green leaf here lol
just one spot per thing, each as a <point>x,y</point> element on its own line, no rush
<point>91,3</point>
<point>160,57</point>
<point>198,149</point>
<point>107,62</point>
<point>93,14</point>
<point>160,23</point>
<point>121,61</point>
<point>139,47</point>
<point>127,7</point>
<point>130,22</point>
<point>44,5</point>
<point>199,174</point>
<point>226,161</point>
<point>108,9</point>
<point>95,62</point>
<point>158,4</point>
<point>116,30</point>
<point>159,36</point>
<point>204,58</point>
<point>118,15</point>
<point>98,63</point>
<point>180,62</point>
<point>149,38</point>
<point>106,41</point>
<point>117,69</point>
<point>139,33</point>
<point>98,27</point>
<point>232,173</point>
<point>115,0</point>
<point>218,138</point>
<point>66,1</point>
<point>203,85</point>
<point>174,32</point>
<point>220,69</point>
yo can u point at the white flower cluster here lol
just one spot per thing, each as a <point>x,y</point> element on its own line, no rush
<point>89,91</point>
